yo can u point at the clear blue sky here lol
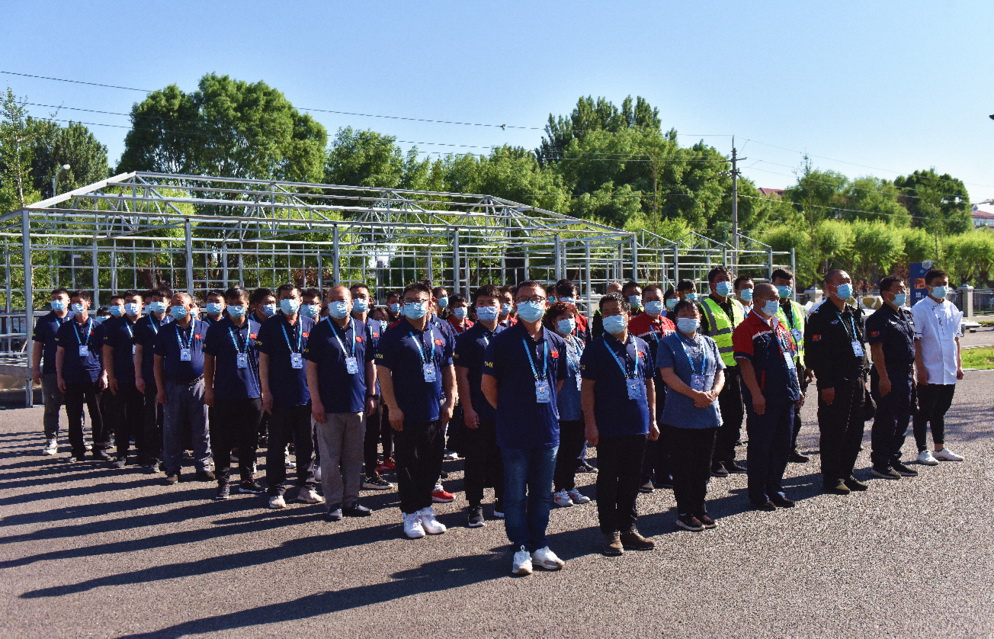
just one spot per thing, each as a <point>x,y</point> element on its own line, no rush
<point>865,88</point>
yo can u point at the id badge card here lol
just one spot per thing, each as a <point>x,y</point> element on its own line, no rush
<point>84,350</point>
<point>185,355</point>
<point>134,349</point>
<point>797,335</point>
<point>542,394</point>
<point>697,382</point>
<point>296,360</point>
<point>789,358</point>
<point>857,348</point>
<point>352,365</point>
<point>241,359</point>
<point>579,382</point>
<point>634,388</point>
<point>428,368</point>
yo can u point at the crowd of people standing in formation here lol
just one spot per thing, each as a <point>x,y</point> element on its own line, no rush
<point>659,382</point>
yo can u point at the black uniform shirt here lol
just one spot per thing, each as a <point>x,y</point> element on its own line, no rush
<point>896,331</point>
<point>828,344</point>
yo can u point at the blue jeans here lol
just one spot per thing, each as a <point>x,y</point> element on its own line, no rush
<point>528,494</point>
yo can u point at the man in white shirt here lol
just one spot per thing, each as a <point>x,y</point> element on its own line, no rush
<point>938,364</point>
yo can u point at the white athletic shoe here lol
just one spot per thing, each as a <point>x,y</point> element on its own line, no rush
<point>578,497</point>
<point>51,447</point>
<point>925,457</point>
<point>547,560</point>
<point>522,562</point>
<point>277,501</point>
<point>562,499</point>
<point>431,525</point>
<point>412,526</point>
<point>309,496</point>
<point>946,455</point>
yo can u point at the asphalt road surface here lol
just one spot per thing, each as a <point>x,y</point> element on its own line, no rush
<point>89,551</point>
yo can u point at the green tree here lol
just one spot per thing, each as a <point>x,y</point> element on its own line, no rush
<point>511,173</point>
<point>832,243</point>
<point>74,145</point>
<point>939,203</point>
<point>970,257</point>
<point>818,194</point>
<point>876,247</point>
<point>591,115</point>
<point>870,198</point>
<point>364,158</point>
<point>18,131</point>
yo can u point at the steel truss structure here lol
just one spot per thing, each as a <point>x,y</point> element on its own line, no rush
<point>196,233</point>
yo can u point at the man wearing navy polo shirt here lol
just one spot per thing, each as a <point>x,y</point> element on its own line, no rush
<point>126,406</point>
<point>146,334</point>
<point>80,377</point>
<point>233,394</point>
<point>43,365</point>
<point>765,353</point>
<point>281,343</point>
<point>523,370</point>
<point>417,379</point>
<point>619,408</point>
<point>373,416</point>
<point>214,311</point>
<point>483,462</point>
<point>179,379</point>
<point>338,364</point>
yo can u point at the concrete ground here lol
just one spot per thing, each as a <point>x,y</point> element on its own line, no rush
<point>89,551</point>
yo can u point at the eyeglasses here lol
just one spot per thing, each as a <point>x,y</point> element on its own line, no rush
<point>534,298</point>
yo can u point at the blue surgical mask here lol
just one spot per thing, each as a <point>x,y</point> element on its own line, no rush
<point>614,324</point>
<point>486,313</point>
<point>289,306</point>
<point>269,310</point>
<point>338,310</point>
<point>692,297</point>
<point>505,309</point>
<point>723,288</point>
<point>395,307</point>
<point>132,309</point>
<point>938,292</point>
<point>99,320</point>
<point>566,325</point>
<point>635,301</point>
<point>459,313</point>
<point>310,310</point>
<point>236,311</point>
<point>770,307</point>
<point>213,308</point>
<point>671,303</point>
<point>116,311</point>
<point>531,311</point>
<point>784,291</point>
<point>415,310</point>
<point>360,305</point>
<point>179,312</point>
<point>654,308</point>
<point>900,299</point>
<point>687,325</point>
<point>568,300</point>
<point>157,307</point>
<point>59,305</point>
<point>78,308</point>
<point>844,291</point>
<point>553,299</point>
<point>745,295</point>
<point>443,302</point>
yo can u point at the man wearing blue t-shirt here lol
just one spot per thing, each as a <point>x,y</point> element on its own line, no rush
<point>146,334</point>
<point>81,377</point>
<point>43,365</point>
<point>126,405</point>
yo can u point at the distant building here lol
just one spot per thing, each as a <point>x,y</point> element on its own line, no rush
<point>775,193</point>
<point>983,215</point>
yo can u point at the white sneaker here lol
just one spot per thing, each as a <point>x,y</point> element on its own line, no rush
<point>412,526</point>
<point>317,473</point>
<point>946,455</point>
<point>51,447</point>
<point>309,496</point>
<point>277,501</point>
<point>578,497</point>
<point>562,499</point>
<point>522,562</point>
<point>431,525</point>
<point>546,559</point>
<point>925,457</point>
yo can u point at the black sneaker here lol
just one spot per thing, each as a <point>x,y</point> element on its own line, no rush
<point>718,470</point>
<point>766,506</point>
<point>885,472</point>
<point>664,483</point>
<point>797,458</point>
<point>647,487</point>
<point>854,484</point>
<point>632,540</point>
<point>205,475</point>
<point>102,455</point>
<point>357,510</point>
<point>223,492</point>
<point>733,467</point>
<point>475,517</point>
<point>707,521</point>
<point>836,488</point>
<point>689,522</point>
<point>334,514</point>
<point>782,502</point>
<point>903,470</point>
<point>250,488</point>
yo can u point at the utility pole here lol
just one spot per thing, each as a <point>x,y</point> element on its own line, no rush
<point>735,202</point>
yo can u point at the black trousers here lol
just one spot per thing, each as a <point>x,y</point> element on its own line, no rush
<point>802,378</point>
<point>78,395</point>
<point>234,424</point>
<point>933,402</point>
<point>455,432</point>
<point>769,446</point>
<point>656,466</point>
<point>419,462</point>
<point>891,419</point>
<point>124,414</point>
<point>484,466</point>
<point>732,412</point>
<point>692,449</point>
<point>150,446</point>
<point>619,464</point>
<point>370,443</point>
<point>571,440</point>
<point>386,432</point>
<point>841,428</point>
<point>286,424</point>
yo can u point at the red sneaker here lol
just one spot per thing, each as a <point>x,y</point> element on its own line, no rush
<point>388,464</point>
<point>442,496</point>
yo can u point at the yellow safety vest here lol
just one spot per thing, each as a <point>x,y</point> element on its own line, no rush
<point>721,326</point>
<point>796,328</point>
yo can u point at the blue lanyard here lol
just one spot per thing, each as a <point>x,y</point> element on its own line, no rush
<point>79,339</point>
<point>628,373</point>
<point>531,361</point>
<point>690,360</point>
<point>151,322</point>
<point>784,346</point>
<point>298,333</point>
<point>334,331</point>
<point>131,330</point>
<point>852,322</point>
<point>421,351</point>
<point>179,332</point>
<point>243,348</point>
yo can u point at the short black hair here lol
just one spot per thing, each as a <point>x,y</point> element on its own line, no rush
<point>887,282</point>
<point>60,291</point>
<point>312,293</point>
<point>116,296</point>
<point>629,285</point>
<point>214,293</point>
<point>420,287</point>
<point>83,295</point>
<point>487,290</point>
<point>718,270</point>
<point>163,292</point>
<point>287,288</point>
<point>740,280</point>
<point>783,273</point>
<point>615,297</point>
<point>435,291</point>
<point>235,293</point>
<point>131,293</point>
<point>455,298</point>
<point>653,287</point>
<point>259,294</point>
<point>686,285</point>
<point>670,292</point>
<point>355,287</point>
<point>526,283</point>
<point>685,304</point>
<point>566,288</point>
<point>933,274</point>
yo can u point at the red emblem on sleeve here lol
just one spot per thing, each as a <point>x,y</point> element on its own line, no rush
<point>439,342</point>
<point>358,338</point>
<point>555,354</point>
<point>252,335</point>
<point>306,334</point>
